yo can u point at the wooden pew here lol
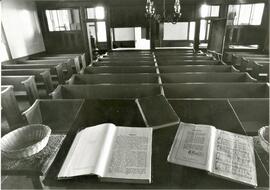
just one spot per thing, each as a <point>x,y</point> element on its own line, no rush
<point>236,58</point>
<point>196,68</point>
<point>24,86</point>
<point>55,69</point>
<point>11,108</point>
<point>188,62</point>
<point>184,57</point>
<point>59,115</point>
<point>228,56</point>
<point>124,63</point>
<point>67,65</point>
<point>75,61</point>
<point>80,56</point>
<point>42,76</point>
<point>207,77</point>
<point>216,90</point>
<point>126,58</point>
<point>260,70</point>
<point>114,91</point>
<point>256,116</point>
<point>119,69</point>
<point>114,78</point>
<point>247,63</point>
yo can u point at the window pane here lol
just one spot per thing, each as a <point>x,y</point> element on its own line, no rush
<point>49,20</point>
<point>203,29</point>
<point>63,20</point>
<point>215,11</point>
<point>91,13</point>
<point>101,32</point>
<point>257,13</point>
<point>100,13</point>
<point>245,11</point>
<point>55,20</point>
<point>205,11</point>
<point>191,31</point>
<point>178,31</point>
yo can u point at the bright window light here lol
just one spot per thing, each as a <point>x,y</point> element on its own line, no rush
<point>203,29</point>
<point>245,12</point>
<point>100,13</point>
<point>101,32</point>
<point>214,11</point>
<point>257,13</point>
<point>205,10</point>
<point>191,31</point>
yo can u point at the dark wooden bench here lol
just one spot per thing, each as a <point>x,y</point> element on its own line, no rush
<point>113,91</point>
<point>10,107</point>
<point>55,69</point>
<point>216,90</point>
<point>42,77</point>
<point>24,86</point>
<point>114,78</point>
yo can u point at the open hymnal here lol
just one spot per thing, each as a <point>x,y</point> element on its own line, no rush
<point>120,154</point>
<point>157,112</point>
<point>219,152</point>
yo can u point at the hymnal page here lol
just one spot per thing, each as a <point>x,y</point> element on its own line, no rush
<point>88,151</point>
<point>130,156</point>
<point>193,146</point>
<point>234,157</point>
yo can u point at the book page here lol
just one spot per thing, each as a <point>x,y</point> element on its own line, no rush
<point>192,146</point>
<point>234,157</point>
<point>88,147</point>
<point>130,156</point>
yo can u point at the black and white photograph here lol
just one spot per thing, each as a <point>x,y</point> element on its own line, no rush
<point>135,94</point>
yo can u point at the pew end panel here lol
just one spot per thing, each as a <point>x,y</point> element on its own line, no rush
<point>59,115</point>
<point>10,107</point>
<point>257,115</point>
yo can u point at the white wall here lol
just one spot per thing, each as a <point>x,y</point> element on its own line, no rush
<point>21,25</point>
<point>124,34</point>
<point>178,31</point>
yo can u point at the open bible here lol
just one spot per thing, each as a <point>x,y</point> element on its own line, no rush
<point>157,112</point>
<point>120,154</point>
<point>219,152</point>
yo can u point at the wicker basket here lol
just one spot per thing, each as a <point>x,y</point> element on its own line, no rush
<point>25,141</point>
<point>264,137</point>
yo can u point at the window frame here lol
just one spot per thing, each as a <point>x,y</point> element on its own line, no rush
<point>210,12</point>
<point>57,9</point>
<point>250,14</point>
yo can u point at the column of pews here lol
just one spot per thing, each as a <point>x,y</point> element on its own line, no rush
<point>25,81</point>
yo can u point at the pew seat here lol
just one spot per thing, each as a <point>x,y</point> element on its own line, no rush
<point>57,114</point>
<point>105,91</point>
<point>55,69</point>
<point>42,77</point>
<point>23,86</point>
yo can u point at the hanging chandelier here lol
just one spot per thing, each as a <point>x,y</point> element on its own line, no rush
<point>150,12</point>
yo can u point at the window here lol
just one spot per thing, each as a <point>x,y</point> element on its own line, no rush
<point>63,20</point>
<point>204,30</point>
<point>179,31</point>
<point>97,24</point>
<point>101,32</point>
<point>96,13</point>
<point>246,14</point>
<point>209,11</point>
<point>3,50</point>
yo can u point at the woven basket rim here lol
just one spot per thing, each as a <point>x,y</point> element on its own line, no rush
<point>46,128</point>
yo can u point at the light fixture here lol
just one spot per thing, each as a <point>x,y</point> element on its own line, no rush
<point>151,12</point>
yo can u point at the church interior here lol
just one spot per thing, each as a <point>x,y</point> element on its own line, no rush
<point>67,65</point>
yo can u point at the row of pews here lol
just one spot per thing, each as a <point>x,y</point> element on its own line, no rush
<point>200,89</point>
<point>26,80</point>
<point>256,64</point>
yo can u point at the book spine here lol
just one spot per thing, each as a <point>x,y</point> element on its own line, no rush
<point>141,111</point>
